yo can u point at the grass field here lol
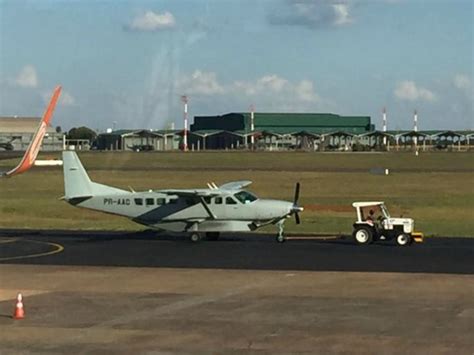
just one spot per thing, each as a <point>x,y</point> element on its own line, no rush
<point>436,189</point>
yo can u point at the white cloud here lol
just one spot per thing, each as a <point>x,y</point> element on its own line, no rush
<point>271,92</point>
<point>268,83</point>
<point>27,78</point>
<point>342,16</point>
<point>201,83</point>
<point>313,13</point>
<point>277,88</point>
<point>462,82</point>
<point>408,90</point>
<point>65,99</point>
<point>153,21</point>
<point>305,92</point>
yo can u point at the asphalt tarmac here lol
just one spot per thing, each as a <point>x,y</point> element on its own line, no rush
<point>233,251</point>
<point>143,293</point>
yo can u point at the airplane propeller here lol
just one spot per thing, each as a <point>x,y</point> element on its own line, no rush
<point>296,209</point>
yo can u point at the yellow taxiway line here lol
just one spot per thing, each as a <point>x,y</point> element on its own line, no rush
<point>57,249</point>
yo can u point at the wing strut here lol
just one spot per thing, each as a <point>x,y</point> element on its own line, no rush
<point>206,207</point>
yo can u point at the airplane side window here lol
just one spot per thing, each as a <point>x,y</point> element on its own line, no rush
<point>230,201</point>
<point>218,200</point>
<point>139,202</point>
<point>160,201</point>
<point>150,201</point>
<point>207,200</point>
<point>173,201</point>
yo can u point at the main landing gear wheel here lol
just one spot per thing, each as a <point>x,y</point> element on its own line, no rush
<point>363,235</point>
<point>403,239</point>
<point>195,237</point>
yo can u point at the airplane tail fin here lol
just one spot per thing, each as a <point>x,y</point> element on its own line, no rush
<point>77,183</point>
<point>32,152</point>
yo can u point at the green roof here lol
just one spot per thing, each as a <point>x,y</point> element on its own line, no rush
<point>284,123</point>
<point>301,120</point>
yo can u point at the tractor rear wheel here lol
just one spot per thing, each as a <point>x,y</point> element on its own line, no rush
<point>363,235</point>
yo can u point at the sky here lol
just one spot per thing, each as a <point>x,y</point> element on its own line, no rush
<point>126,64</point>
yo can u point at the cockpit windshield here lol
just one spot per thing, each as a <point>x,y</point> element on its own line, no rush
<point>245,197</point>
<point>385,211</point>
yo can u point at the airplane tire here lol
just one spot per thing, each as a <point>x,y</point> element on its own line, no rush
<point>280,238</point>
<point>195,237</point>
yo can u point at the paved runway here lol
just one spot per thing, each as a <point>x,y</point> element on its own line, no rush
<point>236,251</point>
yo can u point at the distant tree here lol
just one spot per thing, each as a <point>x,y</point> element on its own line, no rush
<point>58,129</point>
<point>82,133</point>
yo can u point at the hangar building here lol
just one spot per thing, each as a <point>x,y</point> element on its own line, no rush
<point>139,140</point>
<point>279,129</point>
<point>17,132</point>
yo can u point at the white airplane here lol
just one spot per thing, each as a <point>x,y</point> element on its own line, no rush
<point>31,153</point>
<point>225,208</point>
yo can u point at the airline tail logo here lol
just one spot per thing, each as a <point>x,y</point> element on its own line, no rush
<point>33,149</point>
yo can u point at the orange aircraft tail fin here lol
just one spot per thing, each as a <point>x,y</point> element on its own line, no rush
<point>32,152</point>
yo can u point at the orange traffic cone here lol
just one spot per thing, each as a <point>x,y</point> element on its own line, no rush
<point>19,310</point>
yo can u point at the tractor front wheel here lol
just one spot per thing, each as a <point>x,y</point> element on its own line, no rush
<point>403,239</point>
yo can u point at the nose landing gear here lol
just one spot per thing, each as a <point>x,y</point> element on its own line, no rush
<point>280,238</point>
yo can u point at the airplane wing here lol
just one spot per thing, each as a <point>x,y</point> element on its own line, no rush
<point>198,195</point>
<point>32,152</point>
<point>235,185</point>
<point>191,193</point>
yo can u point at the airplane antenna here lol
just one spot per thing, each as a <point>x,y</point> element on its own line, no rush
<point>209,185</point>
<point>131,189</point>
<point>184,99</point>
<point>214,185</point>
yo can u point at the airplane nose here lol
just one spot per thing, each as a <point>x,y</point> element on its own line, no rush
<point>296,209</point>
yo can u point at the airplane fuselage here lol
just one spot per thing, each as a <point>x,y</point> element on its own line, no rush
<point>177,213</point>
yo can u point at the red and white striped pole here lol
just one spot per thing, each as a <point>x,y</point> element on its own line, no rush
<point>252,124</point>
<point>415,129</point>
<point>384,125</point>
<point>184,99</point>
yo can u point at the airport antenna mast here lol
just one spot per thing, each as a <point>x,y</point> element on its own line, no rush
<point>384,125</point>
<point>184,99</point>
<point>415,128</point>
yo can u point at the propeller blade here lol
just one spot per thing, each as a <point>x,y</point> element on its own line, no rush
<point>297,218</point>
<point>297,194</point>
